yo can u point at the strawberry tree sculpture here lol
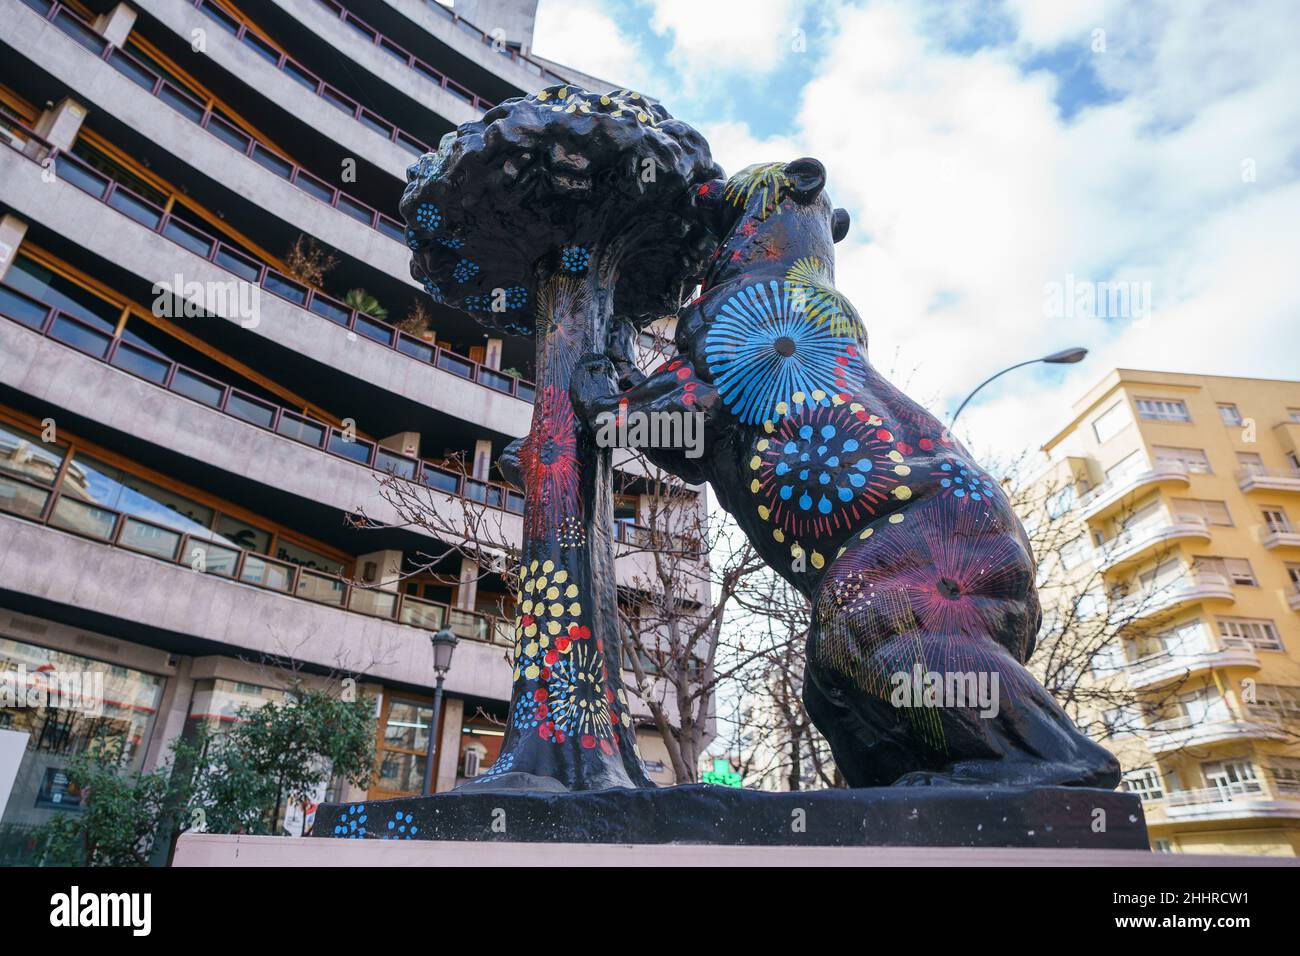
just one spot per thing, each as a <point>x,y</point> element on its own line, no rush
<point>547,218</point>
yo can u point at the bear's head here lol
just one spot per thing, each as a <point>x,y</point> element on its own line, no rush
<point>770,212</point>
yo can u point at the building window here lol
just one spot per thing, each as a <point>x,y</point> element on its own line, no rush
<point>1128,466</point>
<point>1059,502</point>
<point>1073,552</point>
<point>1276,520</point>
<point>1293,572</point>
<point>403,742</point>
<point>1214,512</point>
<point>1145,783</point>
<point>1279,701</point>
<point>1228,412</point>
<point>1111,422</point>
<point>1251,463</point>
<point>1259,633</point>
<point>1162,845</point>
<point>1231,777</point>
<point>1293,414</point>
<point>1192,460</point>
<point>1163,410</point>
<point>1285,772</point>
<point>1236,570</point>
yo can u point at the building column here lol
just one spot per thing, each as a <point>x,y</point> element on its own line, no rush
<point>115,26</point>
<point>380,569</point>
<point>173,711</point>
<point>12,230</point>
<point>482,465</point>
<point>467,591</point>
<point>492,354</point>
<point>59,126</point>
<point>448,756</point>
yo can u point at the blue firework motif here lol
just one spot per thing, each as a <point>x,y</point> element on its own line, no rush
<point>762,348</point>
<point>450,243</point>
<point>428,217</point>
<point>475,303</point>
<point>434,292</point>
<point>465,270</point>
<point>963,480</point>
<point>352,823</point>
<point>413,238</point>
<point>516,297</point>
<point>502,764</point>
<point>825,467</point>
<point>401,827</point>
<point>574,259</point>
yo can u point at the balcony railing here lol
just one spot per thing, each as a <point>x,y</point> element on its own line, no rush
<point>1280,538</point>
<point>1224,793</point>
<point>1269,479</point>
<point>23,140</point>
<point>305,77</point>
<point>1114,490</point>
<point>1169,665</point>
<point>31,500</point>
<point>174,377</point>
<point>231,135</point>
<point>527,63</point>
<point>1134,541</point>
<point>1196,586</point>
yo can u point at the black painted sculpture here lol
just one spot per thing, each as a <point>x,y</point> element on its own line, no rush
<point>548,217</point>
<point>920,575</point>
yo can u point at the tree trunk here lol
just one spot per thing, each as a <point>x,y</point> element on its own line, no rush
<point>569,717</point>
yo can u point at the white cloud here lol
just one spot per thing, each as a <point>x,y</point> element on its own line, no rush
<point>578,33</point>
<point>742,36</point>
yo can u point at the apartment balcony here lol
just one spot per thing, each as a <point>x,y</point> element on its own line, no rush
<point>1178,733</point>
<point>1293,598</point>
<point>147,242</point>
<point>1276,538</point>
<point>1196,587</point>
<point>1167,667</point>
<point>291,84</point>
<point>202,594</point>
<point>1269,479</point>
<point>1134,544</point>
<point>116,82</point>
<point>1109,496</point>
<point>1236,801</point>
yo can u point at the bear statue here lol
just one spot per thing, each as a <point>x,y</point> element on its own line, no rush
<point>920,576</point>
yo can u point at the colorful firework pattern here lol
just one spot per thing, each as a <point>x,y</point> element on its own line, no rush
<point>548,462</point>
<point>811,280</point>
<point>762,347</point>
<point>766,179</point>
<point>566,689</point>
<point>932,587</point>
<point>824,468</point>
<point>963,481</point>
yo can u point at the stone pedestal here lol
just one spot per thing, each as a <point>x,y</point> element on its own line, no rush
<point>1050,818</point>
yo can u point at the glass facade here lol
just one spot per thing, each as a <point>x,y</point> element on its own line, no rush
<point>65,705</point>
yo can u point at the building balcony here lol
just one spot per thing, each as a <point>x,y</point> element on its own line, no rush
<point>122,86</point>
<point>1134,544</point>
<point>1236,801</point>
<point>1178,733</point>
<point>149,243</point>
<point>1196,587</point>
<point>1293,598</point>
<point>201,593</point>
<point>1268,479</point>
<point>1109,496</point>
<point>1274,538</point>
<point>1168,667</point>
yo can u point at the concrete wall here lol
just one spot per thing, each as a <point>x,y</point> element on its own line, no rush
<point>181,18</point>
<point>107,233</point>
<point>100,87</point>
<point>63,568</point>
<point>350,44</point>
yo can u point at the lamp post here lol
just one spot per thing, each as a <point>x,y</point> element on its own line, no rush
<point>1063,357</point>
<point>444,642</point>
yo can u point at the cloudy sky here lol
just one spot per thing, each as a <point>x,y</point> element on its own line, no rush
<point>994,155</point>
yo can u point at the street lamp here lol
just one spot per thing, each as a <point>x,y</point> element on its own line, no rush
<point>1063,357</point>
<point>444,642</point>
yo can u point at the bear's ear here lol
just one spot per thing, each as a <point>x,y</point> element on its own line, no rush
<point>807,178</point>
<point>839,224</point>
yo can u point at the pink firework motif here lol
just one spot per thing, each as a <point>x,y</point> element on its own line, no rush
<point>946,586</point>
<point>549,463</point>
<point>825,469</point>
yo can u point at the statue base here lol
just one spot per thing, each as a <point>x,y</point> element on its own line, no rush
<point>1043,817</point>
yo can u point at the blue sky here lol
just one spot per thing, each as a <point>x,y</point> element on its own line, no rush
<point>993,151</point>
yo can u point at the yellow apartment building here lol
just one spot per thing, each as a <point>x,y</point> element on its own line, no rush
<point>1185,493</point>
